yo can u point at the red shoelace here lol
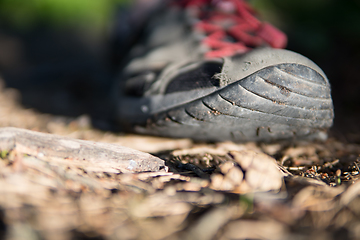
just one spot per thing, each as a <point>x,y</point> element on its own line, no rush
<point>231,28</point>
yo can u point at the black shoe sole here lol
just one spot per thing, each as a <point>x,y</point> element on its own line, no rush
<point>283,101</point>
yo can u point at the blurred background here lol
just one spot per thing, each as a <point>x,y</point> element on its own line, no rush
<point>62,55</point>
<point>57,52</point>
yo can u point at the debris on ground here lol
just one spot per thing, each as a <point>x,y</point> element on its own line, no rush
<point>284,190</point>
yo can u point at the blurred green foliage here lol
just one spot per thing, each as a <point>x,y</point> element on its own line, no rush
<point>25,14</point>
<point>311,24</point>
<point>314,26</point>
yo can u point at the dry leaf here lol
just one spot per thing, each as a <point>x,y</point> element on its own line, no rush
<point>261,171</point>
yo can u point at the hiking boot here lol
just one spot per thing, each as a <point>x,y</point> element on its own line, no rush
<point>210,70</point>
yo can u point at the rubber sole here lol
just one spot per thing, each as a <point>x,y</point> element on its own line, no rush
<point>283,101</point>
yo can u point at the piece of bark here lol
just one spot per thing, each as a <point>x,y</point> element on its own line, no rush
<point>102,156</point>
<point>261,172</point>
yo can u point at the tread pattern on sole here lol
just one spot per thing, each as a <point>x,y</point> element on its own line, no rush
<point>277,102</point>
<point>286,96</point>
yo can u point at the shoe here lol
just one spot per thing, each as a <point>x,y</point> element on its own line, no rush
<point>211,71</point>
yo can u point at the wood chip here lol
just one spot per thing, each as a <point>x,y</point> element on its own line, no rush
<point>261,171</point>
<point>248,229</point>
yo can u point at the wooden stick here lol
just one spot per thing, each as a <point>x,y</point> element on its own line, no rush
<point>102,156</point>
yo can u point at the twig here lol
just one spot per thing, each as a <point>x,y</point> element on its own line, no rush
<point>95,155</point>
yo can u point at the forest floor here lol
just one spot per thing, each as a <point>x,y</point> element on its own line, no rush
<point>206,191</point>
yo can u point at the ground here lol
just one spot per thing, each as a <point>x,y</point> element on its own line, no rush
<point>197,198</point>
